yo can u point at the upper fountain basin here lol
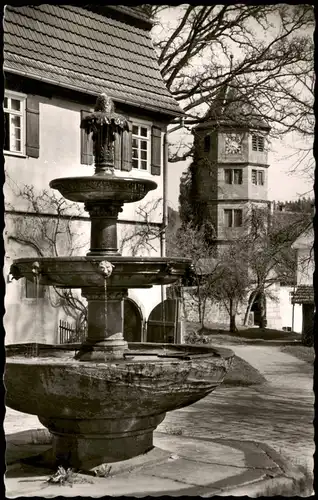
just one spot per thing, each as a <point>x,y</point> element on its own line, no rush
<point>79,272</point>
<point>106,187</point>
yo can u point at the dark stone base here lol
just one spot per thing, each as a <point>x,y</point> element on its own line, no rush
<point>102,351</point>
<point>86,444</point>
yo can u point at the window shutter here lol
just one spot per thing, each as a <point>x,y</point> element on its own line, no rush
<point>155,150</point>
<point>87,157</point>
<point>32,127</point>
<point>117,151</point>
<point>127,148</point>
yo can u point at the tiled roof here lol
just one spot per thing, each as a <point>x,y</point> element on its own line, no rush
<point>231,108</point>
<point>304,295</point>
<point>90,52</point>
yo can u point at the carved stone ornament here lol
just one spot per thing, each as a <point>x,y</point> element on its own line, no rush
<point>233,143</point>
<point>101,209</point>
<point>104,123</point>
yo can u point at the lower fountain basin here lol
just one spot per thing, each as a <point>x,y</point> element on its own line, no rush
<point>80,272</point>
<point>108,411</point>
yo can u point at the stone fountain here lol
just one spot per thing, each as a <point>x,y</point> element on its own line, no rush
<point>102,400</point>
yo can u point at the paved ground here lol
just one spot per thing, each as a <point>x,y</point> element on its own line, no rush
<point>279,413</point>
<point>211,443</point>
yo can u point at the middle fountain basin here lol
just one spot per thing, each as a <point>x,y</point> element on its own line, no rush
<point>80,272</point>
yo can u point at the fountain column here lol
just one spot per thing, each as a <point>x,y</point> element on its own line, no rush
<point>103,217</point>
<point>105,311</point>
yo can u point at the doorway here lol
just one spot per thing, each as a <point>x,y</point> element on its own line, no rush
<point>132,321</point>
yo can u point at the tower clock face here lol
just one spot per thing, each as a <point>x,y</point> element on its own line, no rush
<point>233,144</point>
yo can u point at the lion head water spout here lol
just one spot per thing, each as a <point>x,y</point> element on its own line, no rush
<point>103,404</point>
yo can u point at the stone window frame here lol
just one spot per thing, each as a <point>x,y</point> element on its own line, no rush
<point>258,177</point>
<point>258,142</point>
<point>232,213</point>
<point>232,176</point>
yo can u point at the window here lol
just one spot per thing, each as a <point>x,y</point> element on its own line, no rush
<point>233,176</point>
<point>31,290</point>
<point>140,147</point>
<point>207,143</point>
<point>258,142</point>
<point>233,217</point>
<point>258,177</point>
<point>228,218</point>
<point>237,218</point>
<point>14,122</point>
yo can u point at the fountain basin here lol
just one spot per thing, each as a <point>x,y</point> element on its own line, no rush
<point>80,272</point>
<point>106,187</point>
<point>103,412</point>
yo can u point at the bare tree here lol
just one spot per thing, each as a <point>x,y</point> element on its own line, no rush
<point>266,241</point>
<point>48,230</point>
<point>232,282</point>
<point>143,235</point>
<point>272,71</point>
<point>201,280</point>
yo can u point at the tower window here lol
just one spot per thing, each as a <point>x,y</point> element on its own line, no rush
<point>258,142</point>
<point>233,176</point>
<point>207,143</point>
<point>258,177</point>
<point>233,217</point>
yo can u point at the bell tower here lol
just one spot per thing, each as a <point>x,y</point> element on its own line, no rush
<point>230,169</point>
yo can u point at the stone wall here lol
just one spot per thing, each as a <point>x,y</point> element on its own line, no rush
<point>216,313</point>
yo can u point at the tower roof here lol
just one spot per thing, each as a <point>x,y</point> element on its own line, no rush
<point>231,108</point>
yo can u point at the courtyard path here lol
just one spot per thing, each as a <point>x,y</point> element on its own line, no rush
<point>279,413</point>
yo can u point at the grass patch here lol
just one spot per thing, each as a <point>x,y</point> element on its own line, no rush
<point>301,352</point>
<point>242,373</point>
<point>243,333</point>
<point>302,487</point>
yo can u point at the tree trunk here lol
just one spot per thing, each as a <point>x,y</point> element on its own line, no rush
<point>233,327</point>
<point>249,307</point>
<point>263,321</point>
<point>203,307</point>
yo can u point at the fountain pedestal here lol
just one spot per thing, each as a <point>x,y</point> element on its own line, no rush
<point>88,443</point>
<point>105,314</point>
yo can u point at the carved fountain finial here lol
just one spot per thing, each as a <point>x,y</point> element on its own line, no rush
<point>104,123</point>
<point>104,104</point>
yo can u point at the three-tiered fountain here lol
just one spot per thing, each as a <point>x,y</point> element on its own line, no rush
<point>102,402</point>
